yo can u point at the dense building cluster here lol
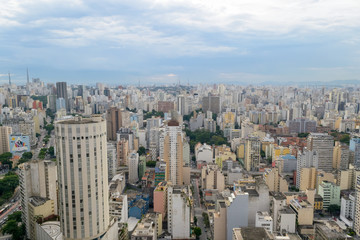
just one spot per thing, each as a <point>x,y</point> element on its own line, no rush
<point>182,162</point>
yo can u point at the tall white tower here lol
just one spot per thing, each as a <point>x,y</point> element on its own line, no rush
<point>83,177</point>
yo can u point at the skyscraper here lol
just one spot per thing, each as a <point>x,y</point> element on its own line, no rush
<point>252,153</point>
<point>114,122</point>
<point>323,144</point>
<point>4,139</point>
<point>83,178</point>
<point>173,153</point>
<point>61,92</point>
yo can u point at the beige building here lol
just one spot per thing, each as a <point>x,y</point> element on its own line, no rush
<point>114,122</point>
<point>220,221</point>
<point>347,178</point>
<point>304,211</point>
<point>39,209</point>
<point>275,181</point>
<point>212,177</point>
<point>307,179</point>
<point>252,153</point>
<point>357,207</point>
<point>173,153</point>
<point>37,179</point>
<point>83,178</point>
<point>150,227</point>
<point>341,156</point>
<point>4,139</point>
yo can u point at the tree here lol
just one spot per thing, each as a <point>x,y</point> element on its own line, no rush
<point>345,139</point>
<point>38,135</point>
<point>151,163</point>
<point>27,155</point>
<point>141,151</point>
<point>334,209</point>
<point>195,220</point>
<point>262,153</point>
<point>51,151</point>
<point>197,232</point>
<point>14,227</point>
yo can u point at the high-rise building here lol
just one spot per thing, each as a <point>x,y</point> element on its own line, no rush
<point>305,159</point>
<point>37,180</point>
<point>252,153</point>
<point>323,144</point>
<point>301,125</point>
<point>173,153</point>
<point>341,156</point>
<point>357,207</point>
<point>61,92</point>
<point>181,105</point>
<point>178,211</point>
<point>83,178</point>
<point>114,122</point>
<point>211,103</point>
<point>4,139</point>
<point>355,149</point>
<point>133,167</point>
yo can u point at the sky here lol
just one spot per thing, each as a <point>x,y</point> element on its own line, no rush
<point>169,41</point>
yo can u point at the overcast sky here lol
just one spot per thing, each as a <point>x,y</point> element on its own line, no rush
<point>165,41</point>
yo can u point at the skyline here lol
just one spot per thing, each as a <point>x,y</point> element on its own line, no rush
<point>163,42</point>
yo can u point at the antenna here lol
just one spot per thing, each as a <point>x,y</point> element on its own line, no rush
<point>9,79</point>
<point>27,74</point>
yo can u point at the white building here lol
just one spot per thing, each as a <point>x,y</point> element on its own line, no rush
<point>204,153</point>
<point>37,179</point>
<point>264,220</point>
<point>305,159</point>
<point>347,210</point>
<point>83,178</point>
<point>178,210</point>
<point>112,160</point>
<point>133,161</point>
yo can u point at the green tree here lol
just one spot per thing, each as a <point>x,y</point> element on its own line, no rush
<point>197,232</point>
<point>38,135</point>
<point>141,151</point>
<point>51,151</point>
<point>334,209</point>
<point>262,153</point>
<point>15,216</point>
<point>345,139</point>
<point>49,128</point>
<point>151,163</point>
<point>27,155</point>
<point>195,220</point>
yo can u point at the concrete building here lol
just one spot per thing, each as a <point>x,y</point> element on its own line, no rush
<point>355,150</point>
<point>5,133</point>
<point>277,203</point>
<point>211,103</point>
<point>178,212</point>
<point>237,212</point>
<point>147,228</point>
<point>173,153</point>
<point>341,156</point>
<point>347,209</point>
<point>118,208</point>
<point>133,161</point>
<point>37,179</point>
<point>204,153</point>
<point>304,211</point>
<point>61,92</point>
<point>165,106</point>
<point>301,125</point>
<point>323,144</point>
<point>39,208</point>
<point>286,221</point>
<point>330,193</point>
<point>113,122</point>
<point>112,159</point>
<point>212,177</point>
<point>160,199</point>
<point>275,181</point>
<point>252,154</point>
<point>220,218</point>
<point>264,220</point>
<point>83,178</point>
<point>307,178</point>
<point>305,159</point>
<point>357,207</point>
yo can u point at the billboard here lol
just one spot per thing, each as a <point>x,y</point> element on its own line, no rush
<point>19,144</point>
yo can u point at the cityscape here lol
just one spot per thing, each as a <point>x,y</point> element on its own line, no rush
<point>179,161</point>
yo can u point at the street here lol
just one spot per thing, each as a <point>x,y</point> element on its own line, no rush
<point>198,211</point>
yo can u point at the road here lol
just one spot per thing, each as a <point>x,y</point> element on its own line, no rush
<point>11,210</point>
<point>198,211</point>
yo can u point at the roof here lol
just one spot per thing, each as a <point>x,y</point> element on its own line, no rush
<point>254,233</point>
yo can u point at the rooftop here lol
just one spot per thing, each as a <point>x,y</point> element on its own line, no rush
<point>38,201</point>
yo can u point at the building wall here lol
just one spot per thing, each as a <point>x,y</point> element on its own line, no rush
<point>4,139</point>
<point>237,213</point>
<point>83,177</point>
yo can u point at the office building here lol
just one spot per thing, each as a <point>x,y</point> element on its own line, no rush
<point>113,122</point>
<point>252,154</point>
<point>323,144</point>
<point>5,133</point>
<point>83,178</point>
<point>173,152</point>
<point>355,150</point>
<point>178,212</point>
<point>61,92</point>
<point>330,192</point>
<point>211,103</point>
<point>37,179</point>
<point>133,167</point>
